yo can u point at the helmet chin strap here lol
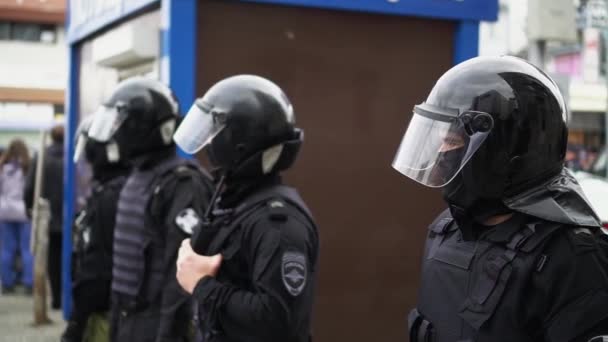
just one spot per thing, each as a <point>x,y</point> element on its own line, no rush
<point>218,189</point>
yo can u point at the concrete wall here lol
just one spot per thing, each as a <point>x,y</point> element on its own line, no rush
<point>34,64</point>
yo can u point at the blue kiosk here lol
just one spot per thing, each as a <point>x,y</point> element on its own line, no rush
<point>353,70</point>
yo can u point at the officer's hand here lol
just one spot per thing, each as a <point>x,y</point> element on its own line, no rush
<point>192,267</point>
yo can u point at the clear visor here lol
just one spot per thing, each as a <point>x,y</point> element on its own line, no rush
<point>81,137</point>
<point>79,149</point>
<point>106,122</point>
<point>435,148</point>
<point>198,128</point>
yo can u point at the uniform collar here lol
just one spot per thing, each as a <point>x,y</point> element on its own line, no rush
<point>502,232</point>
<point>237,190</point>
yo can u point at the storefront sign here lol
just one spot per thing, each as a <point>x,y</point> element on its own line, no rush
<point>88,16</point>
<point>443,9</point>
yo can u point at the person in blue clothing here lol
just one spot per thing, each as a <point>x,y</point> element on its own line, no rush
<point>15,227</point>
<point>52,190</point>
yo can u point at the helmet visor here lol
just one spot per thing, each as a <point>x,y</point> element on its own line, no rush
<point>198,128</point>
<point>106,122</point>
<point>79,149</point>
<point>82,133</point>
<point>436,146</point>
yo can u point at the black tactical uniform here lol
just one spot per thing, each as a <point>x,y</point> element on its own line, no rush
<point>264,289</point>
<point>162,201</point>
<point>519,255</point>
<point>94,230</point>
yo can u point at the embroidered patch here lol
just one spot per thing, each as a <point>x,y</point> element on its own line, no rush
<point>294,272</point>
<point>187,220</point>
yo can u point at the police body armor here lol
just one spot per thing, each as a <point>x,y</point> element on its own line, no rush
<point>92,245</point>
<point>464,282</point>
<point>222,236</point>
<point>138,269</point>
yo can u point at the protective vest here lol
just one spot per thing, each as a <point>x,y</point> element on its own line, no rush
<point>467,286</point>
<point>138,269</point>
<point>93,252</point>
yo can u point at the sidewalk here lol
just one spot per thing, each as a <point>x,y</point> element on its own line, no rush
<point>16,317</point>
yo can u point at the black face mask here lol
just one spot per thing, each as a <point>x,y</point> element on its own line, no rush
<point>95,153</point>
<point>463,196</point>
<point>447,162</point>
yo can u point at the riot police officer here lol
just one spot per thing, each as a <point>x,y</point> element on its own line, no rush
<point>94,230</point>
<point>519,255</point>
<point>252,267</point>
<point>161,203</point>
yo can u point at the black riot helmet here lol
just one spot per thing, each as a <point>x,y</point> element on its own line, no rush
<point>490,128</point>
<point>140,117</point>
<point>247,124</point>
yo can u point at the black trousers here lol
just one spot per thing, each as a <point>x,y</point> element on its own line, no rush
<point>54,268</point>
<point>89,297</point>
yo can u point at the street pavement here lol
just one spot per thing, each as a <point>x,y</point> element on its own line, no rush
<point>16,318</point>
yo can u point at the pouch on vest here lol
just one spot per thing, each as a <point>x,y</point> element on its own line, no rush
<point>495,267</point>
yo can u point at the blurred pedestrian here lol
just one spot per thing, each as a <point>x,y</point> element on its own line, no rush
<point>15,227</point>
<point>52,190</point>
<point>572,160</point>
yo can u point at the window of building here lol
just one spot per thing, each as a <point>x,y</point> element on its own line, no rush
<point>28,32</point>
<point>5,31</point>
<point>48,34</point>
<point>25,32</point>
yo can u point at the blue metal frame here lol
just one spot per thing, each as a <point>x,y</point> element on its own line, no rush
<point>440,9</point>
<point>178,56</point>
<point>69,190</point>
<point>124,9</point>
<point>466,41</point>
<point>178,63</point>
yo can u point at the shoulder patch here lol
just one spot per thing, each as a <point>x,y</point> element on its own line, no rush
<point>293,271</point>
<point>187,220</point>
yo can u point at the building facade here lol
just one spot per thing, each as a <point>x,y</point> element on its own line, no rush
<point>33,67</point>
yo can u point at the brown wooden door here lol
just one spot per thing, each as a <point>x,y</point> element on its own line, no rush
<point>353,79</point>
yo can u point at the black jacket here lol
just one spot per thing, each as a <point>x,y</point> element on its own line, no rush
<point>264,290</point>
<point>95,233</point>
<point>92,271</point>
<point>53,185</point>
<point>162,310</point>
<point>526,279</point>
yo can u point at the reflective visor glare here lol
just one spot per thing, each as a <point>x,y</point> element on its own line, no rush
<point>196,130</point>
<point>105,122</point>
<point>432,151</point>
<point>79,149</point>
